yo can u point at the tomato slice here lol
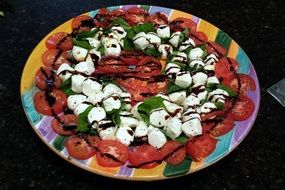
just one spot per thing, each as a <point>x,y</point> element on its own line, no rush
<point>111,153</point>
<point>134,19</point>
<point>47,78</point>
<point>200,147</point>
<point>61,40</point>
<point>180,23</point>
<point>53,58</point>
<point>77,23</point>
<point>92,140</point>
<point>213,47</point>
<point>198,37</point>
<point>207,127</point>
<point>157,18</point>
<point>115,13</point>
<point>78,148</point>
<point>144,156</point>
<point>243,108</point>
<point>212,115</point>
<point>55,105</point>
<point>226,68</point>
<point>65,124</point>
<point>173,152</point>
<point>246,82</point>
<point>224,126</point>
<point>131,57</point>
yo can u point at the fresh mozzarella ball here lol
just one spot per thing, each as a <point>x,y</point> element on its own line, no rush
<point>173,109</point>
<point>156,138</point>
<point>211,59</point>
<point>135,112</point>
<point>163,96</point>
<point>76,83</point>
<point>91,86</point>
<point>173,128</point>
<point>154,40</point>
<point>79,53</point>
<point>81,108</point>
<point>218,95</point>
<point>112,102</point>
<point>94,43</point>
<point>197,63</point>
<point>140,41</point>
<point>150,128</point>
<point>85,67</point>
<point>159,117</point>
<point>207,107</point>
<point>74,100</point>
<point>95,98</point>
<point>128,120</point>
<point>126,97</point>
<point>189,114</point>
<point>119,32</point>
<point>200,91</point>
<point>99,34</point>
<point>177,97</point>
<point>174,39</point>
<point>165,50</point>
<point>112,89</point>
<point>183,79</point>
<point>200,78</point>
<point>180,57</point>
<point>172,69</point>
<point>93,57</point>
<point>163,31</point>
<point>195,53</point>
<point>112,48</point>
<point>125,135</point>
<point>192,101</point>
<point>141,130</point>
<point>63,71</point>
<point>192,127</point>
<point>213,80</point>
<point>107,133</point>
<point>96,114</point>
<point>186,44</point>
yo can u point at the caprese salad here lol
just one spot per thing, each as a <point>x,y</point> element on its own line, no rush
<point>132,88</point>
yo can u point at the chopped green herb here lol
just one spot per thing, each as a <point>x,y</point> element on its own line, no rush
<point>227,89</point>
<point>152,51</point>
<point>86,34</point>
<point>184,34</point>
<point>83,125</point>
<point>101,49</point>
<point>121,22</point>
<point>82,43</point>
<point>182,139</point>
<point>219,105</point>
<point>66,87</point>
<point>128,44</point>
<point>172,87</point>
<point>146,27</point>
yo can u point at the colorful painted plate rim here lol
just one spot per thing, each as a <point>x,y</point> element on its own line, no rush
<point>226,144</point>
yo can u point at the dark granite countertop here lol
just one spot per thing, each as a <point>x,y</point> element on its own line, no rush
<point>26,162</point>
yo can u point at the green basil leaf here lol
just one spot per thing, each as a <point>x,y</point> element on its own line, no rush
<point>66,87</point>
<point>172,87</point>
<point>83,125</point>
<point>86,34</point>
<point>83,44</point>
<point>130,34</point>
<point>184,34</point>
<point>128,44</point>
<point>211,86</point>
<point>146,27</point>
<point>219,105</point>
<point>227,89</point>
<point>121,22</point>
<point>152,51</point>
<point>182,139</point>
<point>101,49</point>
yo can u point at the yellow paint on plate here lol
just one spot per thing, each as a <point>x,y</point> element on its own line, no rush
<point>196,165</point>
<point>93,164</point>
<point>154,172</point>
<point>209,29</point>
<point>233,50</point>
<point>175,14</point>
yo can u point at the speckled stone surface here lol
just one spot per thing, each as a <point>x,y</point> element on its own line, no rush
<point>26,162</point>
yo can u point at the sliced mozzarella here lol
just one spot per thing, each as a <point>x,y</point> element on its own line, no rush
<point>183,79</point>
<point>111,102</point>
<point>119,32</point>
<point>128,120</point>
<point>84,67</point>
<point>156,138</point>
<point>218,95</point>
<point>211,59</point>
<point>64,71</point>
<point>173,109</point>
<point>140,41</point>
<point>126,97</point>
<point>200,91</point>
<point>177,97</point>
<point>174,39</point>
<point>81,108</point>
<point>99,34</point>
<point>96,114</point>
<point>112,89</point>
<point>154,40</point>
<point>91,86</point>
<point>173,128</point>
<point>74,100</point>
<point>165,50</point>
<point>107,133</point>
<point>94,43</point>
<point>213,80</point>
<point>159,117</point>
<point>135,112</point>
<point>141,130</point>
<point>200,78</point>
<point>207,107</point>
<point>125,135</point>
<point>189,114</point>
<point>79,53</point>
<point>163,96</point>
<point>112,48</point>
<point>195,53</point>
<point>192,101</point>
<point>93,57</point>
<point>150,128</point>
<point>186,44</point>
<point>197,63</point>
<point>192,127</point>
<point>76,83</point>
<point>95,98</point>
<point>172,69</point>
<point>163,31</point>
<point>180,57</point>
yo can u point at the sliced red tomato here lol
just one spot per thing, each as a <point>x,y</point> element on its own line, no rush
<point>200,147</point>
<point>78,148</point>
<point>198,37</point>
<point>243,108</point>
<point>173,152</point>
<point>157,18</point>
<point>212,115</point>
<point>246,82</point>
<point>111,153</point>
<point>226,68</point>
<point>213,47</point>
<point>115,13</point>
<point>179,24</point>
<point>136,10</point>
<point>50,55</point>
<point>61,40</point>
<point>65,124</point>
<point>45,77</point>
<point>134,19</point>
<point>157,87</point>
<point>78,23</point>
<point>56,102</point>
<point>92,140</point>
<point>131,57</point>
<point>207,126</point>
<point>144,156</point>
<point>224,126</point>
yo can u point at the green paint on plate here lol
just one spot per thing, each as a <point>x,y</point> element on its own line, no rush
<point>145,7</point>
<point>180,169</point>
<point>58,142</point>
<point>223,39</point>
